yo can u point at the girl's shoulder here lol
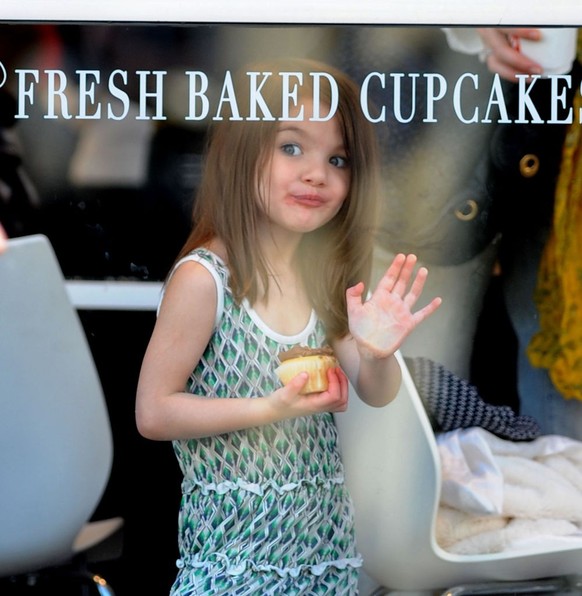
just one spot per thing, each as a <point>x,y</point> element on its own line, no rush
<point>206,257</point>
<point>212,263</point>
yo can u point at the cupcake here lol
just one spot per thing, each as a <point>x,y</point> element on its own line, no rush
<point>315,361</point>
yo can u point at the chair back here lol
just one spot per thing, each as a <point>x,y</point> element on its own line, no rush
<point>392,470</point>
<point>56,446</point>
<point>391,466</point>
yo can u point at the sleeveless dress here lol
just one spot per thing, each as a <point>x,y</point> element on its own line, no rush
<point>263,510</point>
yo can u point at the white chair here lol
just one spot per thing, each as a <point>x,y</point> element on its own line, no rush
<point>393,473</point>
<point>56,445</point>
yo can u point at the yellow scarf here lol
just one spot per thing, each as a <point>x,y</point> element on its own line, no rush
<point>558,344</point>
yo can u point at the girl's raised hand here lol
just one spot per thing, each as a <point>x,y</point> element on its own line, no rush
<point>381,323</point>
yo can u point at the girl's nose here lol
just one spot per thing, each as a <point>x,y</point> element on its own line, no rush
<point>315,172</point>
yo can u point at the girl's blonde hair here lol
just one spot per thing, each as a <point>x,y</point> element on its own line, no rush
<point>331,258</point>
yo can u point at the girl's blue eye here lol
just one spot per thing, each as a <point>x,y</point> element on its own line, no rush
<point>291,149</point>
<point>338,161</point>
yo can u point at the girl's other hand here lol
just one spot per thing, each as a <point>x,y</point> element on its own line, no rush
<point>291,403</point>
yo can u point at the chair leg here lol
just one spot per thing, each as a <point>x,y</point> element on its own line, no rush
<point>92,584</point>
<point>103,588</point>
<point>554,585</point>
<point>80,582</point>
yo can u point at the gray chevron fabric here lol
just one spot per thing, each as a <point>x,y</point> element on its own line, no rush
<point>452,402</point>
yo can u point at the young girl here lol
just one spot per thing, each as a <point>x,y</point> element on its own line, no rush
<point>279,252</point>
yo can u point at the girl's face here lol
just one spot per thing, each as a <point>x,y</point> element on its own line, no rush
<point>308,176</point>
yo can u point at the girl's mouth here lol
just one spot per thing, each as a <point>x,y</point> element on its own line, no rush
<point>309,200</point>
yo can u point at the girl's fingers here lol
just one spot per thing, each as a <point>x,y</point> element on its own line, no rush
<point>402,283</point>
<point>355,292</point>
<point>397,276</point>
<point>297,383</point>
<point>426,311</point>
<point>417,287</point>
<point>354,297</point>
<point>337,380</point>
<point>392,274</point>
<point>343,381</point>
<point>340,385</point>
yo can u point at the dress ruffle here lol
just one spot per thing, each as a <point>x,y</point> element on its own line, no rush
<point>223,565</point>
<point>221,488</point>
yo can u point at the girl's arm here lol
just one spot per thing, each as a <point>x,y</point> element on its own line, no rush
<point>164,411</point>
<point>378,326</point>
<point>376,381</point>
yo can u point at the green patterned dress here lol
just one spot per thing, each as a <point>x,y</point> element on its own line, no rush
<point>264,510</point>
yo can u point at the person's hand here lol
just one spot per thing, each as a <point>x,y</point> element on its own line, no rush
<point>291,403</point>
<point>501,51</point>
<point>3,240</point>
<point>380,324</point>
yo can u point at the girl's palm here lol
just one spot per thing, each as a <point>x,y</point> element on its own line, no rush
<point>381,323</point>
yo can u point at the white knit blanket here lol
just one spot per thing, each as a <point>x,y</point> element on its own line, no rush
<point>500,495</point>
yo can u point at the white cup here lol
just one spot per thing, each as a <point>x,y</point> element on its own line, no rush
<point>554,52</point>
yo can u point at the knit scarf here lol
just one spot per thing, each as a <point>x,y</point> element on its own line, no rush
<point>558,344</point>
